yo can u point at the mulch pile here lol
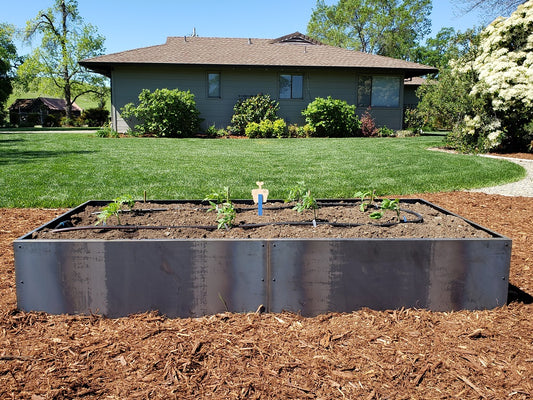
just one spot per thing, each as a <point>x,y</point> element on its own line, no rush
<point>396,354</point>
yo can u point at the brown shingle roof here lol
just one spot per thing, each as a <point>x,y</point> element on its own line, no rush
<point>294,50</point>
<point>414,81</point>
<point>50,103</point>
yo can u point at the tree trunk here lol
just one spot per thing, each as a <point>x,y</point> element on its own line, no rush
<point>65,57</point>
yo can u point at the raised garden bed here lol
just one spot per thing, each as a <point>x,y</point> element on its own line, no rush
<point>169,256</point>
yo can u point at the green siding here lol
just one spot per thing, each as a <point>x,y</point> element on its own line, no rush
<point>128,82</point>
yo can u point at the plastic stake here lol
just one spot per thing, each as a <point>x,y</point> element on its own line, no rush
<point>260,204</point>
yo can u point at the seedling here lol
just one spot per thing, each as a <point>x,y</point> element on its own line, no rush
<point>387,204</point>
<point>371,195</point>
<point>115,208</point>
<point>297,192</point>
<point>304,199</point>
<point>221,203</point>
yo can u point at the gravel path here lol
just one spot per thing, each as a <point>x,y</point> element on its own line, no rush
<point>523,187</point>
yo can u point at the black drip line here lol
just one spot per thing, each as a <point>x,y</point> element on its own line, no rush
<point>418,219</point>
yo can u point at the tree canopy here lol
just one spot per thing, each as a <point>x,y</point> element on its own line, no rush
<point>487,94</point>
<point>491,8</point>
<point>8,56</point>
<point>448,44</point>
<point>65,39</point>
<point>385,27</point>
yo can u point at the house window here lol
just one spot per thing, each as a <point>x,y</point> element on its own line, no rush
<point>213,83</point>
<point>364,91</point>
<point>291,86</point>
<point>378,91</point>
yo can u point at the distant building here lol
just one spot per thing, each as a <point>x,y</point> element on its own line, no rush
<point>43,111</point>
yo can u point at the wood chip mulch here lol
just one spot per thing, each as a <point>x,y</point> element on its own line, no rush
<point>396,354</point>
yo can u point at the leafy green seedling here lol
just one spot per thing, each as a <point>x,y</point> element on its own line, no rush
<point>307,202</point>
<point>392,205</point>
<point>115,208</point>
<point>221,203</point>
<point>297,192</point>
<point>387,204</point>
<point>304,199</point>
<point>371,195</point>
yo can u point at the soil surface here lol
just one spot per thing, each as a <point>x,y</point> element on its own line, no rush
<point>280,220</point>
<point>366,354</point>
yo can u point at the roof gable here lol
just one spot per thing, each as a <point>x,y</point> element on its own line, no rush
<point>293,50</point>
<point>297,38</point>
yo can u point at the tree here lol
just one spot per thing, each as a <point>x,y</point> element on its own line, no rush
<point>8,57</point>
<point>503,86</point>
<point>491,8</point>
<point>65,40</point>
<point>446,100</point>
<point>385,27</point>
<point>448,44</point>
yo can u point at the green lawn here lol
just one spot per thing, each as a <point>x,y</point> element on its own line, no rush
<point>66,169</point>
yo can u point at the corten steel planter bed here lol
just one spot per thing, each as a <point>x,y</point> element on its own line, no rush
<point>194,277</point>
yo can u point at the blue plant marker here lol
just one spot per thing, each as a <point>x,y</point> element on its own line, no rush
<point>260,204</point>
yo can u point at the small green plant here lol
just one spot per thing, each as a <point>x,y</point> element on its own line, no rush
<point>304,199</point>
<point>387,204</point>
<point>370,195</point>
<point>266,129</point>
<point>213,132</point>
<point>386,132</point>
<point>221,203</point>
<point>115,208</point>
<point>107,132</point>
<point>295,131</point>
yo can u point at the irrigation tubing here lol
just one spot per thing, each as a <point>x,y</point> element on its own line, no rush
<point>418,219</point>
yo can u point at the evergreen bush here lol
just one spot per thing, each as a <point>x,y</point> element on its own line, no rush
<point>253,109</point>
<point>332,118</point>
<point>164,113</point>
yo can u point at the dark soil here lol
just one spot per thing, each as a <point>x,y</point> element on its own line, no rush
<point>402,354</point>
<point>418,220</point>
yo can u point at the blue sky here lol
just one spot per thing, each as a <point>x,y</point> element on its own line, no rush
<point>128,24</point>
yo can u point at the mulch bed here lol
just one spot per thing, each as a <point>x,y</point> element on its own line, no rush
<point>396,354</point>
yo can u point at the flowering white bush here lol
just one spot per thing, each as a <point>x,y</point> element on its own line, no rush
<point>504,83</point>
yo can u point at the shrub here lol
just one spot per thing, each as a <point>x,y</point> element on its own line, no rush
<point>368,125</point>
<point>386,132</point>
<point>164,113</point>
<point>213,132</point>
<point>331,117</point>
<point>414,120</point>
<point>51,120</point>
<point>107,132</point>
<point>95,116</point>
<point>266,129</point>
<point>75,121</point>
<point>253,109</point>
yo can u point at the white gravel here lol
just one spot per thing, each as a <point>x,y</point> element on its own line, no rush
<point>523,187</point>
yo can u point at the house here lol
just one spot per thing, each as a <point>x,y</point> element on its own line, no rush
<point>410,99</point>
<point>293,69</point>
<point>45,111</point>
